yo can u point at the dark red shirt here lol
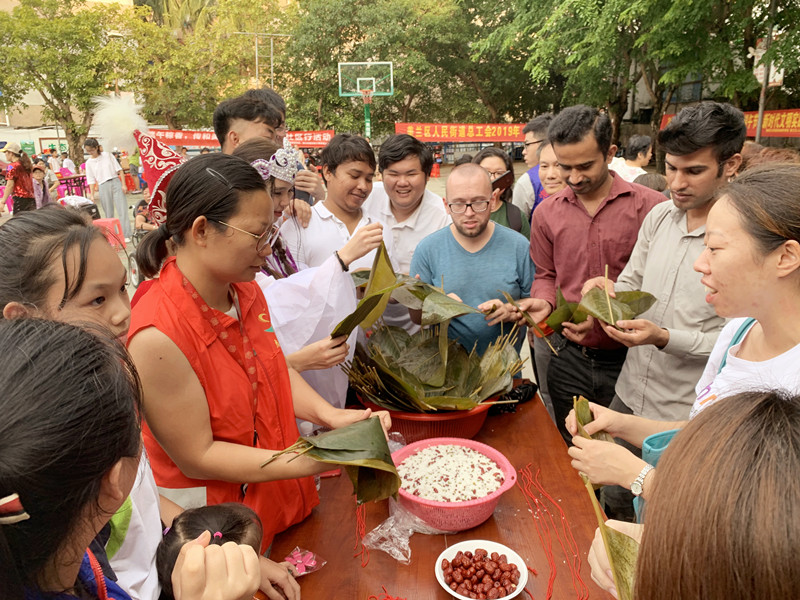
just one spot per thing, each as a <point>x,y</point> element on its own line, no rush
<point>569,246</point>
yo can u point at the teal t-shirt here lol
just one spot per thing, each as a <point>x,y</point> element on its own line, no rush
<point>504,263</point>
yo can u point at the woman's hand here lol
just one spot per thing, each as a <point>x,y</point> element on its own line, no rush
<point>344,417</point>
<point>598,558</point>
<point>605,463</point>
<point>324,354</point>
<point>278,575</point>
<point>363,241</point>
<point>211,572</point>
<point>605,419</point>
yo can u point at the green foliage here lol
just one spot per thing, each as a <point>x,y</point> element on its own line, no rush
<point>61,49</point>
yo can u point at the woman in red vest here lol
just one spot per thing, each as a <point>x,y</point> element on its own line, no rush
<point>219,399</point>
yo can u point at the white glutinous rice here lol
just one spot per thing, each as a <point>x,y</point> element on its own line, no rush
<point>449,473</point>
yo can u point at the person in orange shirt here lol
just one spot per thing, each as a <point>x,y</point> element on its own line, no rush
<point>219,398</point>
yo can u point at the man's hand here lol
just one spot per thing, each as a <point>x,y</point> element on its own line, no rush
<point>362,242</point>
<point>300,210</point>
<point>502,313</point>
<point>537,308</point>
<point>598,282</point>
<point>575,332</point>
<point>310,182</point>
<point>638,332</point>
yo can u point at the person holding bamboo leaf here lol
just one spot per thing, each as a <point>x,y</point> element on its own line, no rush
<point>750,268</point>
<point>219,398</point>
<point>574,235</point>
<point>734,466</point>
<point>476,260</point>
<point>669,344</point>
<point>306,303</point>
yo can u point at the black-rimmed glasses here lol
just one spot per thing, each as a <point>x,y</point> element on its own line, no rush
<point>478,206</point>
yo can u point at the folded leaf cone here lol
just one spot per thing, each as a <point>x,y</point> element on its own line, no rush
<point>626,305</point>
<point>362,450</point>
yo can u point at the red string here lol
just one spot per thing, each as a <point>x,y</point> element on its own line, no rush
<point>361,531</point>
<point>568,543</point>
<point>532,570</point>
<point>385,596</point>
<point>538,510</point>
<point>527,591</point>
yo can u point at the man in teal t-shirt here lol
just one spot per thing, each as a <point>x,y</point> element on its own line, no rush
<point>476,259</point>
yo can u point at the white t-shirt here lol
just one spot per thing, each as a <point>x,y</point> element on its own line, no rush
<point>101,169</point>
<point>429,217</point>
<point>624,170</point>
<point>325,233</point>
<point>739,375</point>
<point>135,535</point>
<point>69,164</point>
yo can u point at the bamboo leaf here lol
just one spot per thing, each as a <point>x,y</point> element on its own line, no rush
<point>583,415</point>
<point>529,322</point>
<point>563,312</point>
<point>622,550</point>
<point>362,449</point>
<point>627,305</point>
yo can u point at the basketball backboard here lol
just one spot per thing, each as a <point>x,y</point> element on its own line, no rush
<point>355,77</point>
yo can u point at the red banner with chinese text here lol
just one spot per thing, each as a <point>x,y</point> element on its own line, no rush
<point>185,137</point>
<point>311,139</point>
<point>462,132</point>
<point>777,123</point>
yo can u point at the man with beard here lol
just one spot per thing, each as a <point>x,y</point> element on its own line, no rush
<point>670,343</point>
<point>409,211</point>
<point>575,234</point>
<point>474,258</point>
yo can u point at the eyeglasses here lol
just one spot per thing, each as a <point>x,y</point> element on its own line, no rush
<point>477,206</point>
<point>526,144</point>
<point>264,240</point>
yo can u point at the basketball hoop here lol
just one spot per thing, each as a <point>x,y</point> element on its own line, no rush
<point>367,95</point>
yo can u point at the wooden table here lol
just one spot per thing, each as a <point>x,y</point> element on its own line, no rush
<point>527,436</point>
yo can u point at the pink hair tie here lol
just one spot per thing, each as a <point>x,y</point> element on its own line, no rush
<point>217,534</point>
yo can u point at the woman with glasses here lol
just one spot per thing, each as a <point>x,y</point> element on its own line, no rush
<point>219,399</point>
<point>306,303</point>
<point>497,163</point>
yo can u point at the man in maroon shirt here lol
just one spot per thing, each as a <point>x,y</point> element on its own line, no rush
<point>575,233</point>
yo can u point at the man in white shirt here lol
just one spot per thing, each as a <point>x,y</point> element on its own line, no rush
<point>104,175</point>
<point>55,164</point>
<point>528,190</point>
<point>348,166</point>
<point>407,209</point>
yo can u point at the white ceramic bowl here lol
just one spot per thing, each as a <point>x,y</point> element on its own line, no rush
<point>471,546</point>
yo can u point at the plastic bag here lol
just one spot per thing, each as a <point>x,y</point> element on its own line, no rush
<point>393,535</point>
<point>305,561</point>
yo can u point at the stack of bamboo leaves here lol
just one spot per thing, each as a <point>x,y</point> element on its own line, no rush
<point>427,371</point>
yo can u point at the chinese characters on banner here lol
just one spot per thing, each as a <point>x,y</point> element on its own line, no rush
<point>310,139</point>
<point>777,123</point>
<point>462,132</point>
<point>184,137</point>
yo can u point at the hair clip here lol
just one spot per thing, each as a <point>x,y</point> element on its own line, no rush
<point>219,177</point>
<point>217,534</point>
<point>166,531</point>
<point>11,510</point>
<point>262,166</point>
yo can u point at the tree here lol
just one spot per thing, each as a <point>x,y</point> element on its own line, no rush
<point>61,49</point>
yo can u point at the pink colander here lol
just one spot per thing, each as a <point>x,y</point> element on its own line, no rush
<point>455,516</point>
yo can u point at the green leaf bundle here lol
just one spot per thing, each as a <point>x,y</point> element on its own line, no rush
<point>362,450</point>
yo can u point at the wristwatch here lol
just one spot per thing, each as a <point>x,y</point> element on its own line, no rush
<point>636,486</point>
